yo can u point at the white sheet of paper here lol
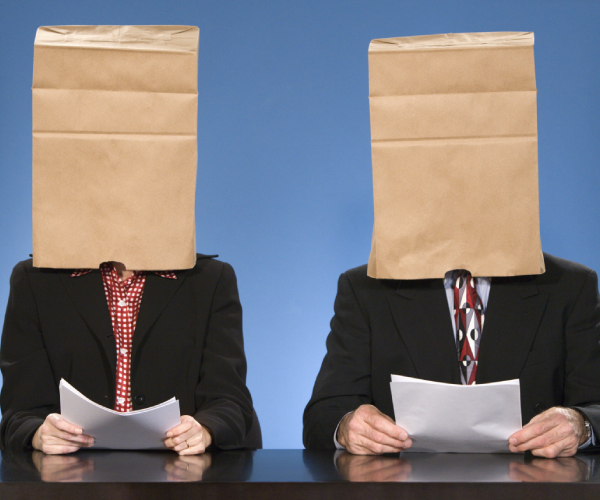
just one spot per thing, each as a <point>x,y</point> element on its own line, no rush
<point>457,418</point>
<point>137,430</point>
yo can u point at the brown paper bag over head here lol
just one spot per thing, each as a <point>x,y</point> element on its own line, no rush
<point>114,146</point>
<point>454,151</point>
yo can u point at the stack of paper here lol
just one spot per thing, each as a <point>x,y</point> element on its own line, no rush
<point>457,418</point>
<point>137,430</point>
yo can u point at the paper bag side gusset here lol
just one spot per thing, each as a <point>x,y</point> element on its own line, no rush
<point>454,152</point>
<point>114,147</point>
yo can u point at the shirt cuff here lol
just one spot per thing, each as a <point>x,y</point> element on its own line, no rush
<point>338,446</point>
<point>591,441</point>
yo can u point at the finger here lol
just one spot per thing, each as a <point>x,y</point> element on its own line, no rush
<point>549,447</point>
<point>380,448</point>
<point>367,424</point>
<point>379,437</point>
<point>386,426</point>
<point>532,431</point>
<point>181,446</point>
<point>373,440</point>
<point>52,440</point>
<point>191,441</point>
<point>379,429</point>
<point>528,432</point>
<point>561,435</point>
<point>377,447</point>
<point>357,449</point>
<point>48,430</point>
<point>57,441</point>
<point>371,448</point>
<point>360,432</point>
<point>566,448</point>
<point>60,423</point>
<point>169,443</point>
<point>184,426</point>
<point>377,434</point>
<point>551,451</point>
<point>176,443</point>
<point>193,450</point>
<point>81,439</point>
<point>192,436</point>
<point>554,417</point>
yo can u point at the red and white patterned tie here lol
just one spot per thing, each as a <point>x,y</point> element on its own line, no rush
<point>469,317</point>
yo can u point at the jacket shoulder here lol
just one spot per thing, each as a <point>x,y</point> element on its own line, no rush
<point>358,276</point>
<point>359,280</point>
<point>556,265</point>
<point>359,272</point>
<point>25,268</point>
<point>208,264</point>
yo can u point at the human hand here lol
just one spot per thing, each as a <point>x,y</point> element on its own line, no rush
<point>367,431</point>
<point>189,437</point>
<point>557,432</point>
<point>56,436</point>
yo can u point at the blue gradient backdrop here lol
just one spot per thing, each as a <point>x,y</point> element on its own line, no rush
<point>284,177</point>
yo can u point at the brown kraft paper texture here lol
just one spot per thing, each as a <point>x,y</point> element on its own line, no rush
<point>454,152</point>
<point>115,146</point>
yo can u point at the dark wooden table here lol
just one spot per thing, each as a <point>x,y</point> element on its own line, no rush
<point>294,474</point>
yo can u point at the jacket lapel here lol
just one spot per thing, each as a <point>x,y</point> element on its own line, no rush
<point>420,311</point>
<point>87,294</point>
<point>515,308</point>
<point>158,292</point>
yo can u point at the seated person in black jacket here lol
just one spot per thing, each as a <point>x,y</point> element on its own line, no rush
<point>187,343</point>
<point>116,301</point>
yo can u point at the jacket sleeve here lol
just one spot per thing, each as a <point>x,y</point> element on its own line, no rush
<point>222,398</point>
<point>582,333</point>
<point>344,381</point>
<point>29,393</point>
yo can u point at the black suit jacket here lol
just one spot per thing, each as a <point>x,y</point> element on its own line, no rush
<point>543,330</point>
<point>187,343</point>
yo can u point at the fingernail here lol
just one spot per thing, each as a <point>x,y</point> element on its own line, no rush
<point>403,436</point>
<point>169,434</point>
<point>513,441</point>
